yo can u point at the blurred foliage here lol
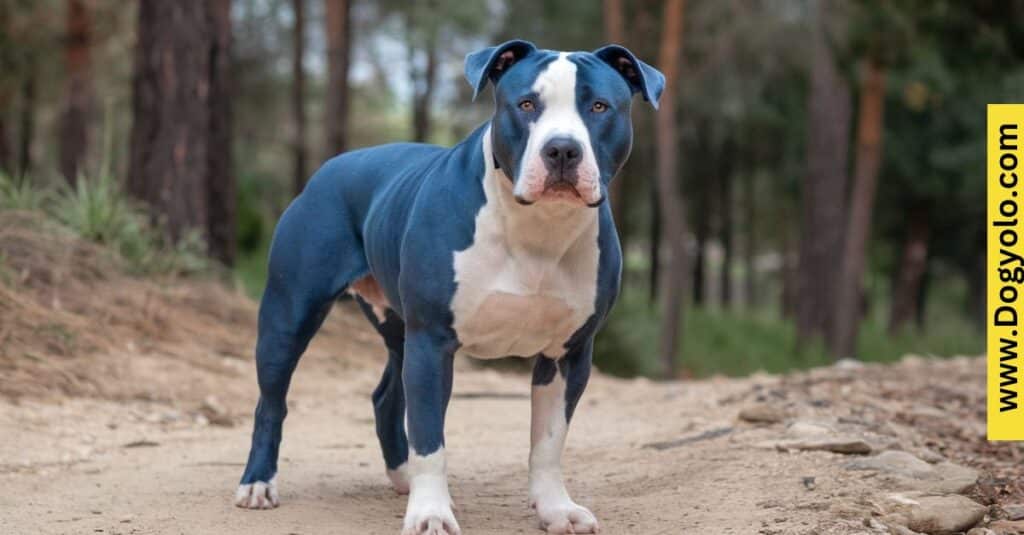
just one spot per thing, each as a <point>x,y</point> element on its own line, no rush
<point>97,210</point>
<point>21,194</point>
<point>742,106</point>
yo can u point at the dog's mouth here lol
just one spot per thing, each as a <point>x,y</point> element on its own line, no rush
<point>563,192</point>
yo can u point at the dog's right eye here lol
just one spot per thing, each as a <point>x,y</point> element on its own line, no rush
<point>526,105</point>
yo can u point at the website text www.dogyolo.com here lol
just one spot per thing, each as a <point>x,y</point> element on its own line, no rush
<point>1005,271</point>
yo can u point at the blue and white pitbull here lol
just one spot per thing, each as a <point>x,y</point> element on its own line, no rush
<point>500,246</point>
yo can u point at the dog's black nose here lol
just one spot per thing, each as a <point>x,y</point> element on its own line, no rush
<point>562,154</point>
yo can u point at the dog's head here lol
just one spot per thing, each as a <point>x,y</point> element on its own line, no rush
<point>561,127</point>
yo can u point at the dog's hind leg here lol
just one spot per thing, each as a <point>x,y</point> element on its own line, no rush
<point>314,256</point>
<point>389,397</point>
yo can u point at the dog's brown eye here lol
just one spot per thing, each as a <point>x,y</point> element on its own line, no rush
<point>599,107</point>
<point>526,105</point>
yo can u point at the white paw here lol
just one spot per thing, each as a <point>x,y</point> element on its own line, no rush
<point>566,517</point>
<point>433,518</point>
<point>400,478</point>
<point>258,495</point>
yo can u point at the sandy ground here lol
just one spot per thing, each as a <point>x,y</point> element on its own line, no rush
<point>645,457</point>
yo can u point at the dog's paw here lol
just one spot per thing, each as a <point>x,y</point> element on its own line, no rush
<point>258,495</point>
<point>435,518</point>
<point>566,517</point>
<point>400,479</point>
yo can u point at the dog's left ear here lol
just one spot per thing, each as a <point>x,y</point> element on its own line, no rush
<point>492,62</point>
<point>641,77</point>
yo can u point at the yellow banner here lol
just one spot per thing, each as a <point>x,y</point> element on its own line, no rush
<point>1005,271</point>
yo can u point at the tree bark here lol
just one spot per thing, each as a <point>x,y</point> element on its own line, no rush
<point>870,121</point>
<point>299,96</point>
<point>674,270</point>
<point>725,213</point>
<point>339,29</point>
<point>6,163</point>
<point>702,183</point>
<point>6,98</point>
<point>78,91</point>
<point>180,161</point>
<point>748,209</point>
<point>220,178</point>
<point>654,276</point>
<point>615,32</point>
<point>823,190</point>
<point>27,121</point>
<point>908,284</point>
<point>423,84</point>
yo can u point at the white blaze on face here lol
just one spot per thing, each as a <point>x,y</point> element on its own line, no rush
<point>559,117</point>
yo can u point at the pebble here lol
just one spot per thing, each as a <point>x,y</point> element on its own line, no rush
<point>1007,527</point>
<point>1014,511</point>
<point>910,472</point>
<point>803,428</point>
<point>763,414</point>
<point>836,444</point>
<point>932,514</point>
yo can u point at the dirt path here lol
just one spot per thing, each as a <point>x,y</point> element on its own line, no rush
<point>646,458</point>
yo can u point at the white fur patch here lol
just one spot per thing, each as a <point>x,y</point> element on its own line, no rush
<point>429,511</point>
<point>556,87</point>
<point>258,495</point>
<point>555,509</point>
<point>529,279</point>
<point>400,478</point>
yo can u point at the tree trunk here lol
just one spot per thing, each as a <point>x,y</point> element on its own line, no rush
<point>823,189</point>
<point>908,282</point>
<point>180,141</point>
<point>339,38</point>
<point>921,310</point>
<point>6,163</point>
<point>299,95</point>
<point>701,233</point>
<point>870,121</point>
<point>27,121</point>
<point>6,98</point>
<point>654,245</point>
<point>78,92</point>
<point>674,271</point>
<point>615,32</point>
<point>725,213</point>
<point>750,243</point>
<point>220,178</point>
<point>423,84</point>
<point>702,182</point>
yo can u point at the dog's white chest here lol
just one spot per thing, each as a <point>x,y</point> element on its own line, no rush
<point>529,279</point>
<point>514,304</point>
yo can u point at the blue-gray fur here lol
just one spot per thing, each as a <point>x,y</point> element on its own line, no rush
<point>389,396</point>
<point>399,212</point>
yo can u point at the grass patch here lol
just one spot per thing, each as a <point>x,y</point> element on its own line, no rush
<point>740,342</point>
<point>251,269</point>
<point>21,194</point>
<point>96,209</point>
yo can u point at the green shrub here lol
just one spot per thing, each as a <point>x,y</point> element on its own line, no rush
<point>742,341</point>
<point>98,210</point>
<point>21,194</point>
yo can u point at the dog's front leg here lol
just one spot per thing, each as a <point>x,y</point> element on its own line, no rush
<point>557,387</point>
<point>427,378</point>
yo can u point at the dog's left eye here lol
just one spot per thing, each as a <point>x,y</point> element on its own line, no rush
<point>599,107</point>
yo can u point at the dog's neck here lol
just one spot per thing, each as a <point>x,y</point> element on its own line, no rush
<point>544,228</point>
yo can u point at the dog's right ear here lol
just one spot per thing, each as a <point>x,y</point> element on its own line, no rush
<point>492,62</point>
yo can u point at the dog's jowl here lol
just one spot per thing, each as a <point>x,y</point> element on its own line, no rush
<point>500,246</point>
